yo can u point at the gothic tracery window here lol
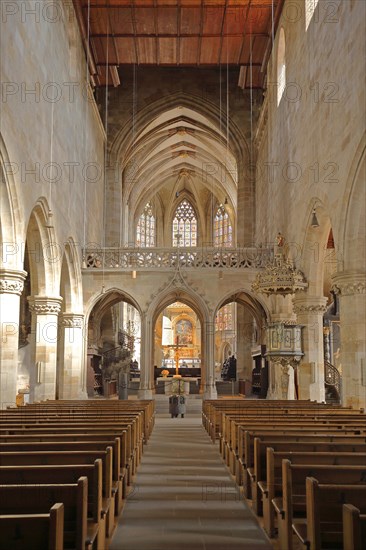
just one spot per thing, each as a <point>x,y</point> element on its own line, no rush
<point>223,231</point>
<point>185,225</point>
<point>145,232</point>
<point>224,318</point>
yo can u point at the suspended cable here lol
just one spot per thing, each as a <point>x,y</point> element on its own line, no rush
<point>85,128</point>
<point>105,152</point>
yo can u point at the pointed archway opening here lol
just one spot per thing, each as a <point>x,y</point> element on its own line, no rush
<point>178,345</point>
<point>114,346</point>
<point>240,364</point>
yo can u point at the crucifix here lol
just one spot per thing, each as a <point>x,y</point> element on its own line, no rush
<point>176,354</point>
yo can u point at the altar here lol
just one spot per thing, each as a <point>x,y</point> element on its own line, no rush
<point>171,387</point>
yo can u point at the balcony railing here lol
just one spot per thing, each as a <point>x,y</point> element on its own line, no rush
<point>137,259</point>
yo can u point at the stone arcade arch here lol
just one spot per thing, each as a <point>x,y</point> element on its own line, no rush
<point>44,304</point>
<point>12,278</point>
<point>311,305</point>
<point>197,304</point>
<point>252,309</point>
<point>350,284</point>
<point>95,309</point>
<point>71,383</point>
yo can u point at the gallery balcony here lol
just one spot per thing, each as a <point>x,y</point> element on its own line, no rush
<point>168,259</point>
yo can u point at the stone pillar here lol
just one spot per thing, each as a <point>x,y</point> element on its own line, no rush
<point>146,390</point>
<point>244,332</point>
<point>11,287</point>
<point>351,287</point>
<point>208,380</point>
<point>71,377</point>
<point>310,311</point>
<point>45,310</point>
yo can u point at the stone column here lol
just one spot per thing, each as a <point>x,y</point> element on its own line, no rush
<point>45,310</point>
<point>208,380</point>
<point>11,287</point>
<point>310,311</point>
<point>244,332</point>
<point>71,378</point>
<point>351,287</point>
<point>146,390</point>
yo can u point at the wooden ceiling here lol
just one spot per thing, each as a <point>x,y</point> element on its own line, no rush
<point>178,33</point>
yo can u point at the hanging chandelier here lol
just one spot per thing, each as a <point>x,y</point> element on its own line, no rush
<point>280,276</point>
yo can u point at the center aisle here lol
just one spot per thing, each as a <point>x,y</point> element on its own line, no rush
<point>183,496</point>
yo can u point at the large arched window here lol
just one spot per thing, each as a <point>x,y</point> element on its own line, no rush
<point>223,231</point>
<point>145,232</point>
<point>281,66</point>
<point>185,225</point>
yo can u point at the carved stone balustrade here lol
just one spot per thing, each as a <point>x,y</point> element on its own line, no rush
<point>137,259</point>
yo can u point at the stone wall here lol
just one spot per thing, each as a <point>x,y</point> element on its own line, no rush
<point>52,133</point>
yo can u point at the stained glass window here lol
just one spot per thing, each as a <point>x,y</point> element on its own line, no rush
<point>185,225</point>
<point>224,318</point>
<point>145,232</point>
<point>223,231</point>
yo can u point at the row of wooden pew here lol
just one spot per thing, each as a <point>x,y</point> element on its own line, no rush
<point>302,466</point>
<point>65,471</point>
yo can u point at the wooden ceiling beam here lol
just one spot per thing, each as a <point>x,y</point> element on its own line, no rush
<point>183,35</point>
<point>199,49</point>
<point>214,64</point>
<point>157,50</point>
<point>178,32</point>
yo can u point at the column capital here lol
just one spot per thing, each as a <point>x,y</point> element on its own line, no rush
<point>310,304</point>
<point>347,283</point>
<point>45,305</point>
<point>12,281</point>
<point>72,320</point>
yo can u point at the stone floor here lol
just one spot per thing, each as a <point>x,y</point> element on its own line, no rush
<point>183,496</point>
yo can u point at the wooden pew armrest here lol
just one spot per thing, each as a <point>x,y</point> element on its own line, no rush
<point>251,474</point>
<point>105,506</point>
<point>278,506</point>
<point>263,488</point>
<point>299,527</point>
<point>91,534</point>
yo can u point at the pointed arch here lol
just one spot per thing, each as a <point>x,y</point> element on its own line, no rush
<point>11,222</point>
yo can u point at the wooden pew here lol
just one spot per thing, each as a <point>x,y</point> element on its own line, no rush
<point>74,458</point>
<point>32,475</point>
<point>323,527</point>
<point>37,499</point>
<point>118,490</point>
<point>269,482</point>
<point>292,504</point>
<point>79,432</point>
<point>354,528</point>
<point>247,461</point>
<point>44,530</point>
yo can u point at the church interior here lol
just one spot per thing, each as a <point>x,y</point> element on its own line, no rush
<point>182,230</point>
